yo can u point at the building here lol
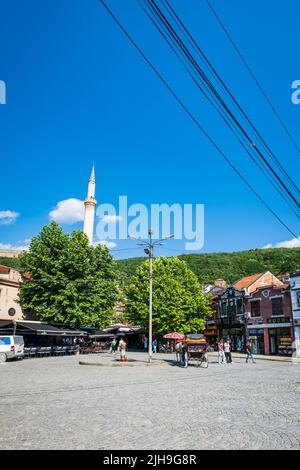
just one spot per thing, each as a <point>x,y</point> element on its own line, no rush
<point>10,253</point>
<point>89,207</point>
<point>256,307</point>
<point>249,284</point>
<point>269,320</point>
<point>10,280</point>
<point>230,319</point>
<point>295,301</point>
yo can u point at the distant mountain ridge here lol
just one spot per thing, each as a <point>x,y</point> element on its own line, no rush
<point>231,266</point>
<point>228,266</point>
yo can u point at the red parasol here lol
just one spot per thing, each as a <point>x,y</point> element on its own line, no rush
<point>174,336</point>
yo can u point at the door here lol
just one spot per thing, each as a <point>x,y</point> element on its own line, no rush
<point>273,345</point>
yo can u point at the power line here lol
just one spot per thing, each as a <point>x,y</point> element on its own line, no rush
<point>158,13</point>
<point>213,100</point>
<point>254,77</point>
<point>217,76</point>
<point>194,119</point>
<point>124,249</point>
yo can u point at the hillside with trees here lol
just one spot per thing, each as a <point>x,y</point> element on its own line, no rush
<point>231,266</point>
<point>211,266</point>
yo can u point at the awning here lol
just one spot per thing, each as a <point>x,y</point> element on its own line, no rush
<point>269,325</point>
<point>101,335</point>
<point>6,326</point>
<point>39,328</point>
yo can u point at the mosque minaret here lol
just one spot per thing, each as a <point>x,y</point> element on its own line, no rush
<point>89,208</point>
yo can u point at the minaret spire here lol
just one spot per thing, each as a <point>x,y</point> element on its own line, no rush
<point>89,207</point>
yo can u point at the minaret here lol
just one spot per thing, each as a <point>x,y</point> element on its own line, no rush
<point>89,208</point>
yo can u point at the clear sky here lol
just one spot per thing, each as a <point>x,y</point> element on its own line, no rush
<point>78,93</point>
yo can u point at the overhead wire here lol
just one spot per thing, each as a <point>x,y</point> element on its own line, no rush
<point>159,14</point>
<point>196,122</point>
<point>213,101</point>
<point>217,76</point>
<point>254,77</point>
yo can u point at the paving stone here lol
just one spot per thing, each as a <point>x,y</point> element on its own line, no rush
<point>55,403</point>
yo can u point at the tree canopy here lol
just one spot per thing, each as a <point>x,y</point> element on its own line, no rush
<point>70,281</point>
<point>178,301</point>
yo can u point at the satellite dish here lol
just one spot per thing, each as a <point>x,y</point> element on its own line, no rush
<point>11,312</point>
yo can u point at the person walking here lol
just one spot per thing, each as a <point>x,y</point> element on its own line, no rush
<point>145,343</point>
<point>122,347</point>
<point>113,346</point>
<point>154,345</point>
<point>221,353</point>
<point>183,354</point>
<point>249,352</point>
<point>227,350</point>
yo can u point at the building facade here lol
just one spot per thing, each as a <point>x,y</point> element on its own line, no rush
<point>258,308</point>
<point>230,319</point>
<point>269,320</point>
<point>295,301</point>
<point>10,280</point>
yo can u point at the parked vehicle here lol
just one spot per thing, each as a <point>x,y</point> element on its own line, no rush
<point>11,347</point>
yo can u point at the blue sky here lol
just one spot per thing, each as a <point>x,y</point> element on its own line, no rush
<point>78,93</point>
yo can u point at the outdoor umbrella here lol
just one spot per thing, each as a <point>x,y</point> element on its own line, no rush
<point>174,336</point>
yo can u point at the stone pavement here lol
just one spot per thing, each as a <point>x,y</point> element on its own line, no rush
<point>55,403</point>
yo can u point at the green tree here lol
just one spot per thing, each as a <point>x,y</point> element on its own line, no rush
<point>178,301</point>
<point>70,281</point>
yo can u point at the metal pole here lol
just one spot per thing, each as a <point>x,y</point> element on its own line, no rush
<point>149,250</point>
<point>150,298</point>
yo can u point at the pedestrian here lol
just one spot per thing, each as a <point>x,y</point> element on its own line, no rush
<point>113,346</point>
<point>249,352</point>
<point>178,348</point>
<point>145,343</point>
<point>183,354</point>
<point>227,350</point>
<point>221,353</point>
<point>154,345</point>
<point>122,347</point>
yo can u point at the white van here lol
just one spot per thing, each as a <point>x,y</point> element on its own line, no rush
<point>11,347</point>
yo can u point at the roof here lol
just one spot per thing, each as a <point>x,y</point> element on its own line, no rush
<point>4,323</point>
<point>41,328</point>
<point>245,282</point>
<point>216,291</point>
<point>4,269</point>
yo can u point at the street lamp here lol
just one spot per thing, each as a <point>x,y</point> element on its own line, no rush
<point>149,250</point>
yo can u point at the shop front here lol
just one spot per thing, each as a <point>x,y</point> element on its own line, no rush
<point>281,342</point>
<point>211,334</point>
<point>275,337</point>
<point>237,337</point>
<point>256,336</point>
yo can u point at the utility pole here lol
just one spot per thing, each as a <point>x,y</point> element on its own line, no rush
<point>149,250</point>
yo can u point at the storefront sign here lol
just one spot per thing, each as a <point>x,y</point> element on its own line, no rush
<point>278,320</point>
<point>211,331</point>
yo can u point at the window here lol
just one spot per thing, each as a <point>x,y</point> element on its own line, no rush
<point>19,340</point>
<point>255,308</point>
<point>223,309</point>
<point>4,340</point>
<point>277,306</point>
<point>298,298</point>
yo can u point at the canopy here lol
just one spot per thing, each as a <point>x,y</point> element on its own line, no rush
<point>174,336</point>
<point>40,328</point>
<point>195,336</point>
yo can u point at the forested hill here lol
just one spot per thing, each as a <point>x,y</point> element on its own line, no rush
<point>231,266</point>
<point>228,266</point>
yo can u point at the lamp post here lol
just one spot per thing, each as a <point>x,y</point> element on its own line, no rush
<point>149,250</point>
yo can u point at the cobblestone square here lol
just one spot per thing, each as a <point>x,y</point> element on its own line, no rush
<point>55,403</point>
